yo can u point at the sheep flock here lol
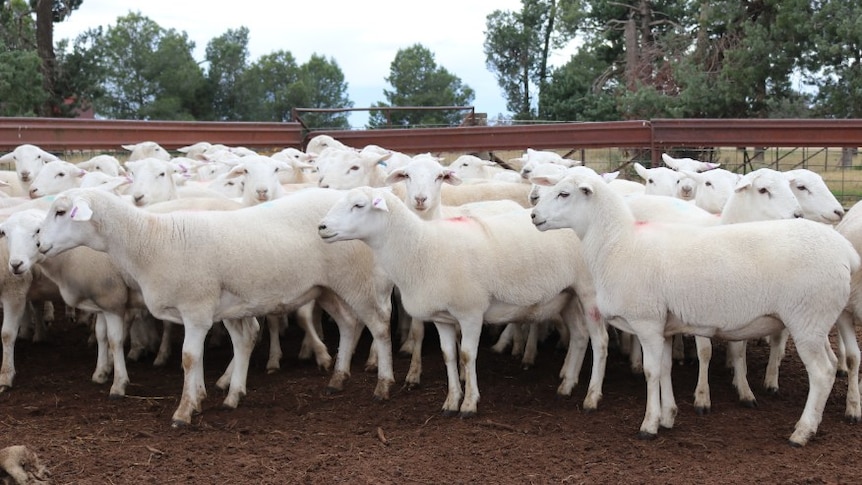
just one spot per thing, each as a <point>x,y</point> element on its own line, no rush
<point>224,240</point>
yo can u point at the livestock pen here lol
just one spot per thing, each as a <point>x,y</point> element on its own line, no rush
<point>288,429</point>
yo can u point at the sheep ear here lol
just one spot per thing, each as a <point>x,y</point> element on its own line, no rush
<point>742,185</point>
<point>80,210</point>
<point>545,180</point>
<point>9,157</point>
<point>586,188</point>
<point>451,178</point>
<point>395,176</point>
<point>379,203</point>
<point>610,176</point>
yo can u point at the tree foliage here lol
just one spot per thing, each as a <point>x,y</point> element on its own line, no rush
<point>417,80</point>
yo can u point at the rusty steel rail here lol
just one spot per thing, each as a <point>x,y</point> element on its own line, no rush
<point>60,134</point>
<point>55,134</point>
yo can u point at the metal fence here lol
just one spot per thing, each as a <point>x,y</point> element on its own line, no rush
<point>825,146</point>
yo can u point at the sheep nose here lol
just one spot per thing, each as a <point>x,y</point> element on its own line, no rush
<point>420,200</point>
<point>525,173</point>
<point>34,193</point>
<point>138,198</point>
<point>532,215</point>
<point>798,214</point>
<point>15,265</point>
<point>321,226</point>
<point>25,176</point>
<point>839,213</point>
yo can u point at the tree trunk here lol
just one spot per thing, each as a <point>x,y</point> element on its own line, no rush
<point>45,48</point>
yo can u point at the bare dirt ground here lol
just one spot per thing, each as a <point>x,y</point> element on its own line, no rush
<point>288,431</point>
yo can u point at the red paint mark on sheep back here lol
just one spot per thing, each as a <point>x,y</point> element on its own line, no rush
<point>458,219</point>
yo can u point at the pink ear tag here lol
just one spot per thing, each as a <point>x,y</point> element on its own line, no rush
<point>80,211</point>
<point>379,203</point>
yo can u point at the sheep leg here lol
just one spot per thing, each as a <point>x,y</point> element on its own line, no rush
<point>636,356</point>
<point>273,324</point>
<point>653,356</point>
<point>842,350</point>
<point>13,314</point>
<point>116,330</point>
<point>104,367</point>
<point>575,355</point>
<point>379,328</point>
<point>449,351</point>
<point>821,377</point>
<point>531,347</point>
<point>668,403</point>
<point>348,336</point>
<point>847,333</point>
<point>471,331</point>
<point>777,346</point>
<point>243,334</point>
<point>44,318</point>
<point>165,345</point>
<point>737,351</point>
<point>504,339</point>
<point>194,388</point>
<point>518,340</point>
<point>414,374</point>
<point>308,318</point>
<point>702,400</point>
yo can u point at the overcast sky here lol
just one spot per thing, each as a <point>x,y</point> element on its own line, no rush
<point>361,36</point>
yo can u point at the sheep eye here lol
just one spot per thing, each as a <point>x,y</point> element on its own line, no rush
<point>358,206</point>
<point>563,195</point>
<point>161,174</point>
<point>802,188</point>
<point>708,184</point>
<point>763,190</point>
<point>61,174</point>
<point>651,181</point>
<point>60,213</point>
<point>354,168</point>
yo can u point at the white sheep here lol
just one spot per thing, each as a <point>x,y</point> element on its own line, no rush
<point>107,164</point>
<point>660,180</point>
<point>848,349</point>
<point>714,187</point>
<point>318,143</point>
<point>502,273</point>
<point>471,166</point>
<point>689,164</point>
<point>340,168</point>
<point>28,160</point>
<point>186,278</point>
<point>817,201</point>
<point>55,177</point>
<point>146,149</point>
<point>86,279</point>
<point>532,158</point>
<point>423,179</point>
<point>728,281</point>
<point>153,181</point>
<point>196,151</point>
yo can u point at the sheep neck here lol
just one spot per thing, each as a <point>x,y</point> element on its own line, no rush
<point>130,243</point>
<point>609,233</point>
<point>399,244</point>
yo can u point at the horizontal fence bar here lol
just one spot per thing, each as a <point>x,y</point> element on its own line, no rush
<point>757,132</point>
<point>59,134</point>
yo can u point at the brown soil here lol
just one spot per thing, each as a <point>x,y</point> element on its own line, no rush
<point>287,430</point>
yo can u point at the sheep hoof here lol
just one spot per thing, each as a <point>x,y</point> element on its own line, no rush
<point>647,436</point>
<point>467,414</point>
<point>772,391</point>
<point>179,423</point>
<point>701,410</point>
<point>272,370</point>
<point>412,385</point>
<point>330,391</point>
<point>116,396</point>
<point>448,413</point>
<point>5,388</point>
<point>750,403</point>
<point>841,373</point>
<point>589,410</point>
<point>852,419</point>
<point>795,444</point>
